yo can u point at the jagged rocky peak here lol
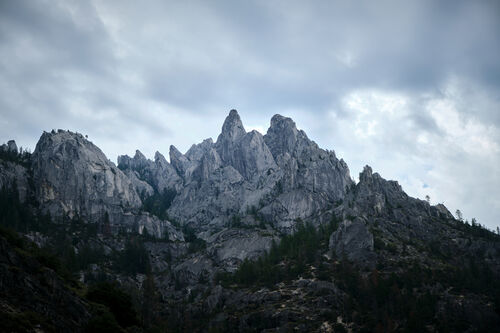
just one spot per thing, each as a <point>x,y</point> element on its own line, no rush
<point>240,171</point>
<point>233,129</point>
<point>160,159</point>
<point>141,163</point>
<point>374,180</point>
<point>378,195</point>
<point>371,183</point>
<point>246,152</point>
<point>178,160</point>
<point>164,175</point>
<point>367,174</point>
<point>255,155</point>
<point>196,152</point>
<point>158,174</point>
<point>209,162</point>
<point>174,153</point>
<point>441,211</point>
<point>73,177</point>
<point>138,161</point>
<point>124,161</point>
<point>283,125</point>
<point>139,156</point>
<point>10,146</point>
<point>66,144</point>
<point>283,137</point>
<point>377,191</point>
<point>232,132</point>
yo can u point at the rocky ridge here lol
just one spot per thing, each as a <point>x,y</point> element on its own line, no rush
<point>281,176</point>
<point>225,204</point>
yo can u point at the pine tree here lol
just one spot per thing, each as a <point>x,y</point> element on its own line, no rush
<point>149,301</point>
<point>106,229</point>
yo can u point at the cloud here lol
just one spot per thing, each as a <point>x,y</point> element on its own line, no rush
<point>450,155</point>
<point>411,88</point>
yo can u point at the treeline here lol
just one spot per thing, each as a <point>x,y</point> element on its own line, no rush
<point>13,213</point>
<point>70,246</point>
<point>407,301</point>
<point>286,260</point>
<point>477,230</point>
<point>20,217</point>
<point>72,241</point>
<point>158,203</point>
<point>134,259</point>
<point>195,244</point>
<point>112,308</point>
<point>20,157</point>
<point>115,309</point>
<point>382,303</point>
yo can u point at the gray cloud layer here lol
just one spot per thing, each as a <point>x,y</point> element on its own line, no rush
<point>412,88</point>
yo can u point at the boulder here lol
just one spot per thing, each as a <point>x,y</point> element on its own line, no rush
<point>354,241</point>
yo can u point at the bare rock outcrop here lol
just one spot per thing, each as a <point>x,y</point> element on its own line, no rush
<point>354,241</point>
<point>158,174</point>
<point>282,176</point>
<point>14,170</point>
<point>73,176</point>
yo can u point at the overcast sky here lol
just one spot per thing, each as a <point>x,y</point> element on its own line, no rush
<point>411,88</point>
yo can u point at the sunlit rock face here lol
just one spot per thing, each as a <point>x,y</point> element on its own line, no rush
<point>281,176</point>
<point>73,178</point>
<point>237,200</point>
<point>354,241</point>
<point>158,174</point>
<point>277,179</point>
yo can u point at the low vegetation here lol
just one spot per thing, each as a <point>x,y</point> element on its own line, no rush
<point>112,308</point>
<point>158,203</point>
<point>372,299</point>
<point>286,260</point>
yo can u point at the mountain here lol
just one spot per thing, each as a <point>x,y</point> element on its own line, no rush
<point>281,177</point>
<point>72,177</point>
<point>251,232</point>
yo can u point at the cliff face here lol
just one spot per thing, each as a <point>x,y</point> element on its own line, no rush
<point>33,295</point>
<point>14,170</point>
<point>73,176</point>
<point>271,180</point>
<point>281,176</point>
<point>147,175</point>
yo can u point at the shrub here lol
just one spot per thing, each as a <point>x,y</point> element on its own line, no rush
<point>118,302</point>
<point>134,258</point>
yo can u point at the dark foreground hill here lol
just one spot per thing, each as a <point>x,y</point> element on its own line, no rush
<point>249,233</point>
